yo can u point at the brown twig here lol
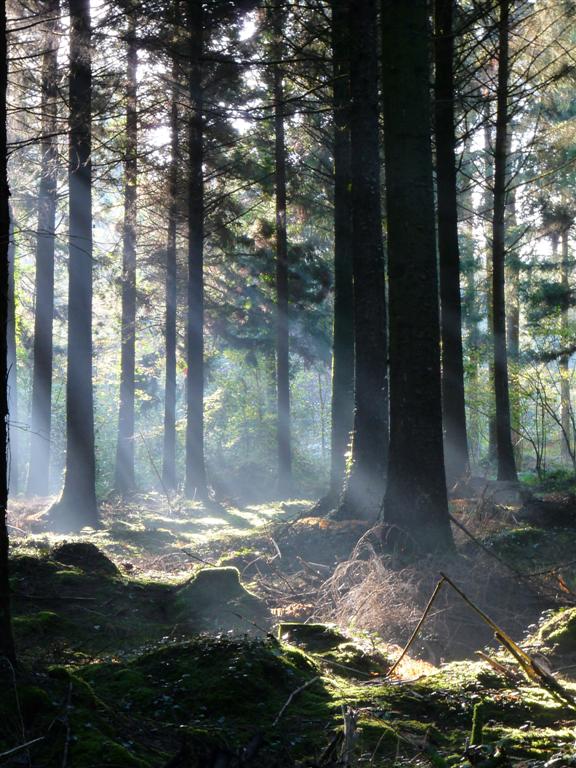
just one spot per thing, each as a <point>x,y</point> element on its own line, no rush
<point>20,747</point>
<point>291,697</point>
<point>530,666</point>
<point>418,626</point>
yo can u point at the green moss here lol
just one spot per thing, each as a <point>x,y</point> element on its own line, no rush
<point>312,637</point>
<point>70,577</point>
<point>528,547</point>
<point>466,677</point>
<point>32,700</point>
<point>216,599</point>
<point>531,741</point>
<point>558,633</point>
<point>23,703</point>
<point>88,748</point>
<point>38,625</point>
<point>132,707</point>
<point>86,556</point>
<point>138,538</point>
<point>61,612</point>
<point>221,691</point>
<point>232,683</point>
<point>476,735</point>
<point>346,656</point>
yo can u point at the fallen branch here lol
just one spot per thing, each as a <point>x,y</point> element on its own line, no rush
<point>532,669</point>
<point>20,747</point>
<point>291,697</point>
<point>500,668</point>
<point>414,634</point>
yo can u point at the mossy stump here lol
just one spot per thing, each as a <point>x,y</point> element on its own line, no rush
<point>215,599</point>
<point>84,555</point>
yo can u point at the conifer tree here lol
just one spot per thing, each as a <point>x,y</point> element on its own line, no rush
<point>195,481</point>
<point>169,445</point>
<point>77,505</point>
<point>6,640</point>
<point>41,416</point>
<point>454,409</point>
<point>416,505</point>
<point>124,479</point>
<point>282,298</point>
<point>505,452</point>
<point>364,486</point>
<point>342,413</point>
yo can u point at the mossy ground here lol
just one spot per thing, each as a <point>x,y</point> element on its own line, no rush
<point>114,674</point>
<point>222,693</point>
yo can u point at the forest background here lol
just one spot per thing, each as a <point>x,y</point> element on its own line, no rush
<point>139,75</point>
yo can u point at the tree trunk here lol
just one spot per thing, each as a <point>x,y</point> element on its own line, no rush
<point>513,319</point>
<point>6,640</point>
<point>12,378</point>
<point>505,452</point>
<point>124,480</point>
<point>472,299</point>
<point>455,436</point>
<point>77,506</point>
<point>565,404</point>
<point>282,298</point>
<point>364,486</point>
<point>169,452</point>
<point>343,328</point>
<point>41,415</point>
<point>488,205</point>
<point>416,504</point>
<point>195,484</point>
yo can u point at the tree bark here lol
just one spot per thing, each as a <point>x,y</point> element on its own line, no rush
<point>77,506</point>
<point>41,414</point>
<point>454,408</point>
<point>513,318</point>
<point>472,300</point>
<point>6,640</point>
<point>169,452</point>
<point>505,452</point>
<point>195,483</point>
<point>124,478</point>
<point>364,486</point>
<point>12,378</point>
<point>564,362</point>
<point>282,297</point>
<point>488,205</point>
<point>416,505</point>
<point>342,410</point>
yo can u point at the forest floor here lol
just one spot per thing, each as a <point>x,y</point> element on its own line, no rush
<point>183,634</point>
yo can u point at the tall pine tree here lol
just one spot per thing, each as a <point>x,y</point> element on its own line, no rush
<point>77,505</point>
<point>416,505</point>
<point>6,640</point>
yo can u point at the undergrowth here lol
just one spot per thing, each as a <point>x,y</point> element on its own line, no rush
<point>118,668</point>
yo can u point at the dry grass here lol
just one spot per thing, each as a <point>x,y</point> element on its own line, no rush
<point>370,593</point>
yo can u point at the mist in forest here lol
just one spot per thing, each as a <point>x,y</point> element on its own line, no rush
<point>288,466</point>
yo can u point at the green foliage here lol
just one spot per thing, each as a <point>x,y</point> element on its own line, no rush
<point>553,481</point>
